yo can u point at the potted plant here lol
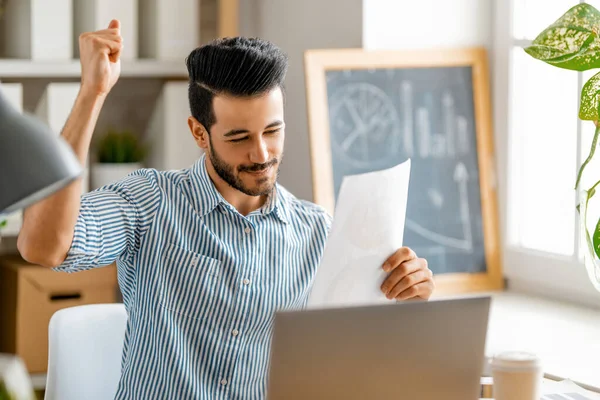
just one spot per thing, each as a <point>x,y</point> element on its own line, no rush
<point>118,154</point>
<point>572,42</point>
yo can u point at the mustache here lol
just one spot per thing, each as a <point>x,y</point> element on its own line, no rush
<point>258,167</point>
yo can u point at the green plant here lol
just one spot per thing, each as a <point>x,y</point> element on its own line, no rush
<point>120,147</point>
<point>572,42</point>
<point>4,394</point>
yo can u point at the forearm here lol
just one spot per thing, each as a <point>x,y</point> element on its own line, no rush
<point>48,225</point>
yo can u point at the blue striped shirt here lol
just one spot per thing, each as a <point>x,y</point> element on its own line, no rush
<point>200,281</point>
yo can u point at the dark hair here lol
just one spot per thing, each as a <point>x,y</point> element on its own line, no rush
<point>232,66</point>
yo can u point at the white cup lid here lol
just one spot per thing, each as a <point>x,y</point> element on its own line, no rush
<point>516,360</point>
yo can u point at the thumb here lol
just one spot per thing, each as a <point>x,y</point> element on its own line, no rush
<point>114,24</point>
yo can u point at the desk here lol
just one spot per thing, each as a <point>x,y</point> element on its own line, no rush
<point>566,337</point>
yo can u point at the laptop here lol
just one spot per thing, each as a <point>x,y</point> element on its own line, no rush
<point>416,350</point>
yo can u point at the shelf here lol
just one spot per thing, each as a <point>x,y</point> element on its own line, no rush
<point>14,68</point>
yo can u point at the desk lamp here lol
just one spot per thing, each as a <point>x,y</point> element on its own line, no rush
<point>34,161</point>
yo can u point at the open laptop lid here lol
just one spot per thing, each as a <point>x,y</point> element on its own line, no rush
<point>414,350</point>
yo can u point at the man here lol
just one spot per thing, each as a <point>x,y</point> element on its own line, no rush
<point>207,254</point>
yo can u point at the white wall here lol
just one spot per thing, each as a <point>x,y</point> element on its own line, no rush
<point>402,24</point>
<point>296,26</point>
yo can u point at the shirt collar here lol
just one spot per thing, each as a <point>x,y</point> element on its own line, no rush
<point>207,197</point>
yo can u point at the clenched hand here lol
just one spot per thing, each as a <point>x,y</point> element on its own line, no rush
<point>100,53</point>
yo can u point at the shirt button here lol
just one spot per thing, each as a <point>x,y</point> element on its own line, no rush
<point>223,211</point>
<point>194,261</point>
<point>247,230</point>
<point>246,281</point>
<point>235,332</point>
<point>223,382</point>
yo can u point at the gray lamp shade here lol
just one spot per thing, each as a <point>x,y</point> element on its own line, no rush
<point>34,161</point>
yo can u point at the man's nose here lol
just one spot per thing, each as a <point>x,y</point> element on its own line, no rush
<point>259,153</point>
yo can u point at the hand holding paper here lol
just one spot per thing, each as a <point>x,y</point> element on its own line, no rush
<point>367,231</point>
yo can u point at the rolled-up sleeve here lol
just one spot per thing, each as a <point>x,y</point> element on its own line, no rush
<point>112,221</point>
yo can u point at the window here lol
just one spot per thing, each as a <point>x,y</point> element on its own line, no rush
<point>544,144</point>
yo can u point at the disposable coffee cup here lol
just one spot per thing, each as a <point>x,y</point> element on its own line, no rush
<point>517,376</point>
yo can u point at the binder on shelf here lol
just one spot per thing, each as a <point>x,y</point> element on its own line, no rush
<point>170,141</point>
<point>39,30</point>
<point>54,109</point>
<point>169,30</point>
<point>93,15</point>
<point>13,93</point>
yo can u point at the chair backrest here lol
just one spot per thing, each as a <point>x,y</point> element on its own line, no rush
<point>84,354</point>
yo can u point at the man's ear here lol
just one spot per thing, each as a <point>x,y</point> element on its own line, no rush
<point>199,133</point>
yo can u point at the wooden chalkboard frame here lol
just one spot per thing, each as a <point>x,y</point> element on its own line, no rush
<point>318,62</point>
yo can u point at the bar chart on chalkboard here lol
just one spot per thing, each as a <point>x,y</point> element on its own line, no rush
<point>380,117</point>
<point>369,110</point>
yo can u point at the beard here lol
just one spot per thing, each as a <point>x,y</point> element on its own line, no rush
<point>230,174</point>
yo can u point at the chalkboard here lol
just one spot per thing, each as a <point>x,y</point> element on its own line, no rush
<point>373,110</point>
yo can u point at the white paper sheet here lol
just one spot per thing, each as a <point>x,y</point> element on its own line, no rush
<point>368,227</point>
<point>566,390</point>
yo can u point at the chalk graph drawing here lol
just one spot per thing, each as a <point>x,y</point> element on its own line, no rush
<point>372,110</point>
<point>366,125</point>
<point>465,243</point>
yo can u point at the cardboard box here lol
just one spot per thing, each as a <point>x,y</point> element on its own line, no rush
<point>30,295</point>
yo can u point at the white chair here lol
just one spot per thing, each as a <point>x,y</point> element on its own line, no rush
<point>84,354</point>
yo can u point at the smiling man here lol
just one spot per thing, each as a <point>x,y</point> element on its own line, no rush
<point>207,254</point>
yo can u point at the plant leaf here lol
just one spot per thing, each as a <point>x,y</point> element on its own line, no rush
<point>592,263</point>
<point>590,99</point>
<point>596,239</point>
<point>571,42</point>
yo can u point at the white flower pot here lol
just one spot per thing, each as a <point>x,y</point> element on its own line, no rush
<point>104,174</point>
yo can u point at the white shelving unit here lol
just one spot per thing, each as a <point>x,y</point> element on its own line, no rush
<point>21,69</point>
<point>217,18</point>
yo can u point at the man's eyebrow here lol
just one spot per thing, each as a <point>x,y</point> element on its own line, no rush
<point>274,124</point>
<point>234,132</point>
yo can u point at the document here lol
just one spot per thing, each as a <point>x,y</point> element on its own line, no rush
<point>368,227</point>
<point>566,390</point>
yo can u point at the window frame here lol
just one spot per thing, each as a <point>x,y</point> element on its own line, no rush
<point>528,271</point>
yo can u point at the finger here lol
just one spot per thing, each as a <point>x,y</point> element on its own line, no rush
<point>111,37</point>
<point>114,24</point>
<point>415,278</point>
<point>406,268</point>
<point>115,56</point>
<point>111,48</point>
<point>104,32</point>
<point>399,256</point>
<point>421,290</point>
